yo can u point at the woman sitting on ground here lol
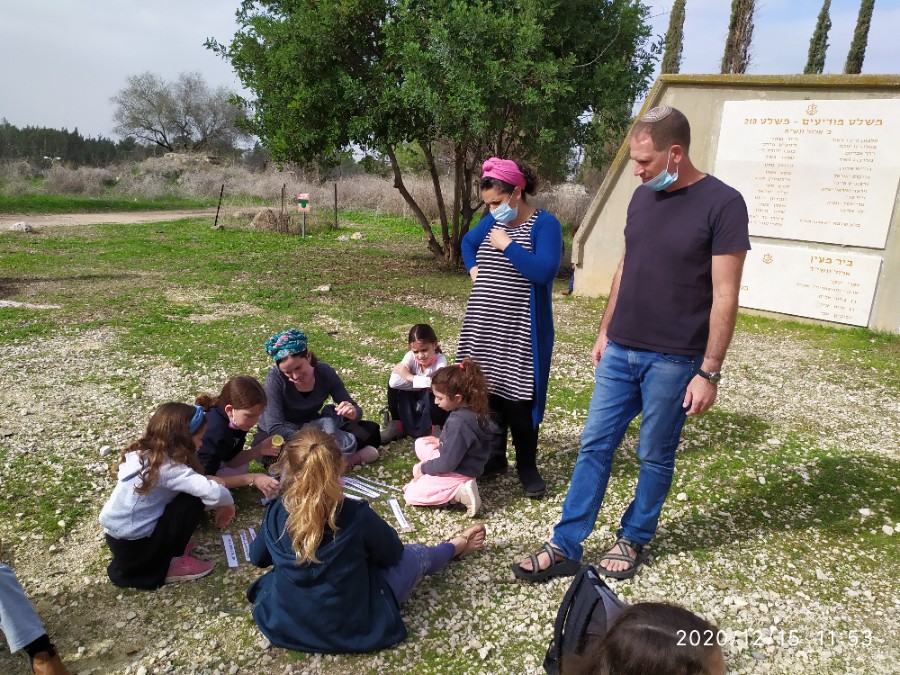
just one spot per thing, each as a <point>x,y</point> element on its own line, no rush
<point>297,387</point>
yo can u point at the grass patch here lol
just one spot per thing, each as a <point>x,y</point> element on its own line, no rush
<point>43,203</point>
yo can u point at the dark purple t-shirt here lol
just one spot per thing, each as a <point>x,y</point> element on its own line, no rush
<point>665,294</point>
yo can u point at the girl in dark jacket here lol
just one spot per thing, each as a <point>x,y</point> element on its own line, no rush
<point>340,571</point>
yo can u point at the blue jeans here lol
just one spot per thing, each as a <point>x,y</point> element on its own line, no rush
<point>18,620</point>
<point>417,560</point>
<point>627,382</point>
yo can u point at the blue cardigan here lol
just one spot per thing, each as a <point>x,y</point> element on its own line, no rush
<point>540,267</point>
<point>339,605</point>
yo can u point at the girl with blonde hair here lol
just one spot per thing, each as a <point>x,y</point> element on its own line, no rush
<point>340,572</point>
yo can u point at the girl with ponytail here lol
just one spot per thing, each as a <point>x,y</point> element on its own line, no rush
<point>340,572</point>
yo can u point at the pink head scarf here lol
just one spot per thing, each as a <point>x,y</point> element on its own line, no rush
<point>503,169</point>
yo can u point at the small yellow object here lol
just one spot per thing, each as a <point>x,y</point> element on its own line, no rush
<point>277,441</point>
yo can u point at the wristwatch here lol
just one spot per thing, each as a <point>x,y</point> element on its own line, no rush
<point>713,377</point>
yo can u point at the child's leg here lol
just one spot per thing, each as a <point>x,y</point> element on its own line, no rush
<point>18,620</point>
<point>143,563</point>
<point>393,399</point>
<point>417,560</point>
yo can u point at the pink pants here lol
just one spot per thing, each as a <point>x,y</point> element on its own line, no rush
<point>432,490</point>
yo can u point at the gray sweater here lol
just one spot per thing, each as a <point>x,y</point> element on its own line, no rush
<point>288,409</point>
<point>464,446</point>
<point>128,515</point>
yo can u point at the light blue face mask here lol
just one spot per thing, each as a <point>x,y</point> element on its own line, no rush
<point>664,179</point>
<point>505,214</point>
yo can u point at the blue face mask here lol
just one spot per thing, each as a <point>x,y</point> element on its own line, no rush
<point>505,214</point>
<point>664,179</point>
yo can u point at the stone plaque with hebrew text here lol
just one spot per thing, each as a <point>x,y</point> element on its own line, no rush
<point>810,282</point>
<point>824,171</point>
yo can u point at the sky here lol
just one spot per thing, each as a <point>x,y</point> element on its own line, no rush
<point>61,61</point>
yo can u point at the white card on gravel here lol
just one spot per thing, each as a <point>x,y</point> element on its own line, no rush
<point>398,514</point>
<point>245,544</point>
<point>230,553</point>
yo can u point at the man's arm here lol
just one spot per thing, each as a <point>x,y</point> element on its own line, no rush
<point>726,280</point>
<point>600,344</point>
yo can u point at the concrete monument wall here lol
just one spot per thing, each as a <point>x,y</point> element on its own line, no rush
<point>817,158</point>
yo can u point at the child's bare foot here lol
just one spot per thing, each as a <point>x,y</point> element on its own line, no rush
<point>469,540</point>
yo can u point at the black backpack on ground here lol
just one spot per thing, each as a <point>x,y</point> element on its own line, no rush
<point>588,609</point>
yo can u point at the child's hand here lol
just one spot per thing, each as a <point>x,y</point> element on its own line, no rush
<point>224,514</point>
<point>268,450</point>
<point>431,441</point>
<point>267,485</point>
<point>402,370</point>
<point>417,471</point>
<point>346,409</point>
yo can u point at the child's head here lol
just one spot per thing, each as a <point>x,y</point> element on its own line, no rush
<point>423,343</point>
<point>311,465</point>
<point>243,400</point>
<point>654,637</point>
<point>461,384</point>
<point>174,433</point>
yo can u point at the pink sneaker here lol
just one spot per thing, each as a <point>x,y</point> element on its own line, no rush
<point>365,455</point>
<point>190,547</point>
<point>186,568</point>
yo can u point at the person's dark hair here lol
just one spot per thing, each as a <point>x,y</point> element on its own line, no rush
<point>308,354</point>
<point>466,379</point>
<point>531,182</point>
<point>422,332</point>
<point>651,637</point>
<point>242,393</point>
<point>666,127</point>
<point>168,438</point>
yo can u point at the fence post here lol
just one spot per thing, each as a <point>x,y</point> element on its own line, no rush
<point>335,207</point>
<point>222,192</point>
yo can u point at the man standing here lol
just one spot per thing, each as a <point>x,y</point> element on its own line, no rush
<point>668,323</point>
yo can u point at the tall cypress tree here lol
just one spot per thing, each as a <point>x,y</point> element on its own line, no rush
<point>818,43</point>
<point>857,52</point>
<point>740,34</point>
<point>674,44</point>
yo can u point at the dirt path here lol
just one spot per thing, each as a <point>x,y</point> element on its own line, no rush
<point>7,221</point>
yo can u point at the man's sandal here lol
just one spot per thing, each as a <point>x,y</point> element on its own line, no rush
<point>474,539</point>
<point>560,565</point>
<point>623,556</point>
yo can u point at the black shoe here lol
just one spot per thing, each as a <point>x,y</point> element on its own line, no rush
<point>493,469</point>
<point>532,483</point>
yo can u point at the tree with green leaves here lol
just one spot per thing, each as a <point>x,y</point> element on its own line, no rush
<point>674,43</point>
<point>818,43</point>
<point>737,55</point>
<point>463,81</point>
<point>857,53</point>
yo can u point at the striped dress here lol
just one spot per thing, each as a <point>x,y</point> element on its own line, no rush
<point>496,330</point>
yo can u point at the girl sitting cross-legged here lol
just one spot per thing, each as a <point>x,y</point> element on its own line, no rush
<point>339,572</point>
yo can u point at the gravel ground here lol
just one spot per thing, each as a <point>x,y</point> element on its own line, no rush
<point>788,597</point>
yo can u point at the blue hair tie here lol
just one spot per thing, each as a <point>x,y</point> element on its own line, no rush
<point>197,419</point>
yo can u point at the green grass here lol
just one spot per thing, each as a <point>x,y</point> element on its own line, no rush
<point>44,203</point>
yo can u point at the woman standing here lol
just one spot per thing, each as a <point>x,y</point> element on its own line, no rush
<point>297,387</point>
<point>512,255</point>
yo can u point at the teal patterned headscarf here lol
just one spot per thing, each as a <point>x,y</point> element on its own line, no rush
<point>288,343</point>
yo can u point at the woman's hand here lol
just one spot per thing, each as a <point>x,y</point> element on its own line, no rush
<point>401,370</point>
<point>224,514</point>
<point>474,272</point>
<point>346,409</point>
<point>417,471</point>
<point>499,238</point>
<point>265,484</point>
